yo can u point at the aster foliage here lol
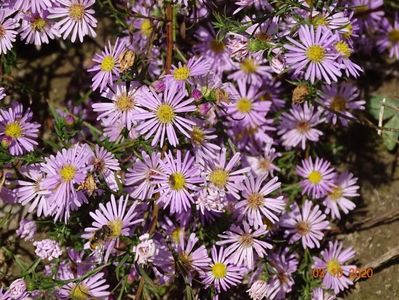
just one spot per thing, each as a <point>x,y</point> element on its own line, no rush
<point>196,156</point>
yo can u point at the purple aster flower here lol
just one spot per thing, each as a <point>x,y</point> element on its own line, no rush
<point>252,70</point>
<point>341,98</point>
<point>176,181</point>
<point>17,132</point>
<point>195,67</point>
<point>389,37</point>
<point>221,176</point>
<point>7,32</point>
<point>117,218</point>
<point>47,249</point>
<point>244,246</point>
<point>260,290</point>
<point>93,287</point>
<point>64,172</point>
<point>344,51</point>
<point>306,225</point>
<point>33,5</point>
<point>26,230</point>
<point>37,29</point>
<point>201,137</point>
<point>191,259</point>
<point>2,93</point>
<point>368,12</point>
<point>315,52</point>
<point>297,126</point>
<point>320,294</point>
<point>123,106</point>
<point>245,105</point>
<point>17,290</point>
<point>345,187</point>
<point>107,66</point>
<point>332,261</point>
<point>255,202</point>
<point>329,17</point>
<point>221,272</point>
<point>164,114</point>
<point>105,164</point>
<point>258,4</point>
<point>317,177</point>
<point>31,192</point>
<point>139,178</point>
<point>76,18</point>
<point>262,165</point>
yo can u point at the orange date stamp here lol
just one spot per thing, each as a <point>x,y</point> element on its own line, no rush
<point>354,273</point>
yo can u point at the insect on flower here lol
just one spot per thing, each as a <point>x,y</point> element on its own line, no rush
<point>126,59</point>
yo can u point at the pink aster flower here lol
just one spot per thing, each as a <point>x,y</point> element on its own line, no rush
<point>107,66</point>
<point>320,294</point>
<point>26,230</point>
<point>186,73</point>
<point>123,106</point>
<point>221,176</point>
<point>345,187</point>
<point>37,29</point>
<point>177,181</point>
<point>33,5</point>
<point>245,104</point>
<point>64,172</point>
<point>262,165</point>
<point>297,126</point>
<point>106,165</point>
<point>139,178</point>
<point>256,203</point>
<point>315,52</point>
<point>31,192</point>
<point>221,272</point>
<point>47,249</point>
<point>93,287</point>
<point>259,290</point>
<point>258,4</point>
<point>389,37</point>
<point>245,247</point>
<point>342,98</point>
<point>7,32</point>
<point>17,132</point>
<point>164,114</point>
<point>332,261</point>
<point>306,225</point>
<point>76,18</point>
<point>118,219</point>
<point>191,259</point>
<point>317,177</point>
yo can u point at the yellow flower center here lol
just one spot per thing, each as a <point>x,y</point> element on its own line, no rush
<point>76,12</point>
<point>315,53</point>
<point>244,105</point>
<point>315,177</point>
<point>217,46</point>
<point>246,240</point>
<point>219,178</point>
<point>67,173</point>
<point>186,260</point>
<point>108,63</point>
<point>197,135</point>
<point>80,292</point>
<point>177,181</point>
<point>336,193</point>
<point>303,228</point>
<point>255,200</point>
<point>176,235</point>
<point>334,268</point>
<point>361,8</point>
<point>349,30</point>
<point>181,73</point>
<point>343,49</point>
<point>165,113</point>
<point>319,20</point>
<point>146,27</point>
<point>393,36</point>
<point>248,66</point>
<point>38,24</point>
<point>116,227</point>
<point>13,130</point>
<point>219,270</point>
<point>338,103</point>
<point>124,103</point>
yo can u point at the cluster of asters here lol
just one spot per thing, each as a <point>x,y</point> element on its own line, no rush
<point>216,126</point>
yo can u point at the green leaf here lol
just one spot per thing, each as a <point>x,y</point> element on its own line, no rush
<point>375,107</point>
<point>32,268</point>
<point>390,138</point>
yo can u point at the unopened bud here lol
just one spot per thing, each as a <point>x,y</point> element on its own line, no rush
<point>300,93</point>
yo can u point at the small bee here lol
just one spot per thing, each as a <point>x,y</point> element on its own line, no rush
<point>89,184</point>
<point>126,59</point>
<point>99,237</point>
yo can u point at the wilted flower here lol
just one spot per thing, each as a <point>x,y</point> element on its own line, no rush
<point>47,249</point>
